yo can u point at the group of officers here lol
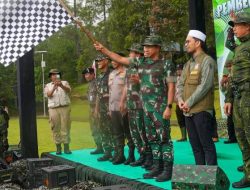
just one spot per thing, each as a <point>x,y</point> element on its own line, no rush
<point>133,102</point>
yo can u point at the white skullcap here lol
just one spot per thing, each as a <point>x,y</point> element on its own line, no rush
<point>197,34</point>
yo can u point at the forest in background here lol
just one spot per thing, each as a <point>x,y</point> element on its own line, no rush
<point>115,23</point>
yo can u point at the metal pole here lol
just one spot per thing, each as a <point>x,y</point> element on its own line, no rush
<point>43,66</point>
<point>197,15</point>
<point>44,106</point>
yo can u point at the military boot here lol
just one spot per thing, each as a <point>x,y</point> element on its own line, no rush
<point>120,156</point>
<point>148,161</point>
<point>156,170</point>
<point>244,182</point>
<point>98,150</point>
<point>166,174</point>
<point>140,161</point>
<point>183,134</point>
<point>58,149</point>
<point>107,155</point>
<point>66,149</point>
<point>131,156</point>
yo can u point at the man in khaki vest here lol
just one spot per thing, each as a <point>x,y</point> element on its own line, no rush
<point>57,92</point>
<point>196,98</point>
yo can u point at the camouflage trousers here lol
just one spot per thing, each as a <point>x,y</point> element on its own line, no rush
<point>137,129</point>
<point>158,134</point>
<point>241,117</point>
<point>94,127</point>
<point>106,131</point>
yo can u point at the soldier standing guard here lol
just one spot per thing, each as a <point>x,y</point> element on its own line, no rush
<point>102,106</point>
<point>224,85</point>
<point>238,92</point>
<point>89,75</point>
<point>157,103</point>
<point>119,119</point>
<point>131,95</point>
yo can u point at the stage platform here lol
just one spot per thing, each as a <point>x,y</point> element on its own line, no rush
<point>88,168</point>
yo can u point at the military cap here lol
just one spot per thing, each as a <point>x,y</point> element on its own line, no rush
<point>136,48</point>
<point>88,70</point>
<point>54,71</point>
<point>153,40</point>
<point>100,57</point>
<point>241,17</point>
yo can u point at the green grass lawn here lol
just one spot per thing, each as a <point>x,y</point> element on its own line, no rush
<point>80,131</point>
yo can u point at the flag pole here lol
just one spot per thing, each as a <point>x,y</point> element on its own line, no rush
<point>78,22</point>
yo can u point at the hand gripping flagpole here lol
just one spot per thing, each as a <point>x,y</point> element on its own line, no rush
<point>78,22</point>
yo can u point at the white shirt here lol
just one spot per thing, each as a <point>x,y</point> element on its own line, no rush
<point>59,97</point>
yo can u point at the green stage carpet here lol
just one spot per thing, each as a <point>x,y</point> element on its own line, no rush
<point>229,158</point>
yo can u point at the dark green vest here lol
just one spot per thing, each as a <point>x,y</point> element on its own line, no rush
<point>193,79</point>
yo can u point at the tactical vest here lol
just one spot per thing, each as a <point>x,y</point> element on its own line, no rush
<point>193,79</point>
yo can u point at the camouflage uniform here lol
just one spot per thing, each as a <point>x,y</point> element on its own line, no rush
<point>93,121</point>
<point>239,94</point>
<point>102,90</point>
<point>153,94</point>
<point>4,122</point>
<point>154,76</point>
<point>230,123</point>
<point>135,111</point>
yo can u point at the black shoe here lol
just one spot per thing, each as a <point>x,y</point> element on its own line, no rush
<point>66,149</point>
<point>120,158</point>
<point>240,168</point>
<point>166,174</point>
<point>105,157</point>
<point>242,183</point>
<point>230,141</point>
<point>148,168</point>
<point>97,151</point>
<point>58,149</point>
<point>131,156</point>
<point>157,170</point>
<point>148,161</point>
<point>138,162</point>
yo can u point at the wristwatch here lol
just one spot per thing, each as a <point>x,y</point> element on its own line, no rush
<point>169,106</point>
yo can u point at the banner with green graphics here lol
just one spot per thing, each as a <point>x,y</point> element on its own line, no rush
<point>221,11</point>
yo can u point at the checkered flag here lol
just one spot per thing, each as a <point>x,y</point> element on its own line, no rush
<point>26,23</point>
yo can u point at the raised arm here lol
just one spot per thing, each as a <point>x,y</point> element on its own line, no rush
<point>112,55</point>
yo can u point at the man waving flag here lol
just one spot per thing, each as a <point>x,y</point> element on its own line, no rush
<point>26,23</point>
